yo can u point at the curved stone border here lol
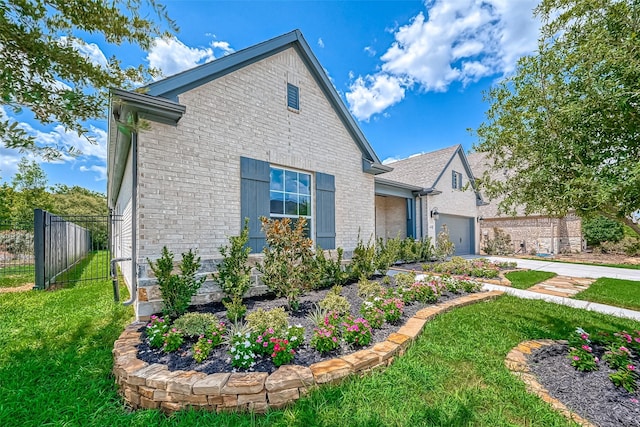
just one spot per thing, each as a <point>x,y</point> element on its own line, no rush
<point>145,385</point>
<point>516,362</point>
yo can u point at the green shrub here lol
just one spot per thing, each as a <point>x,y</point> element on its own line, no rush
<point>336,302</point>
<point>195,324</point>
<point>387,253</point>
<point>600,229</point>
<point>626,246</point>
<point>289,267</point>
<point>499,245</point>
<point>317,315</point>
<point>404,279</point>
<point>261,320</point>
<point>444,246</point>
<point>367,289</point>
<point>363,260</point>
<point>330,271</point>
<point>234,275</point>
<point>177,290</point>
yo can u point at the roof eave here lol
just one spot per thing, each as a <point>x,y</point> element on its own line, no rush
<point>374,168</point>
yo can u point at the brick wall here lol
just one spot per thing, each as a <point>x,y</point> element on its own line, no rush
<point>189,175</point>
<point>391,217</point>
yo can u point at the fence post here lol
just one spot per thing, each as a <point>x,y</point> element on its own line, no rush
<point>38,247</point>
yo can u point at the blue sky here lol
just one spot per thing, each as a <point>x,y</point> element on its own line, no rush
<point>412,73</point>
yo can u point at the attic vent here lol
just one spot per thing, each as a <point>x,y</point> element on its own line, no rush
<point>293,96</point>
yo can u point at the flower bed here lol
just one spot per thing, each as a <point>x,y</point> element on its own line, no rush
<point>153,385</point>
<point>480,267</point>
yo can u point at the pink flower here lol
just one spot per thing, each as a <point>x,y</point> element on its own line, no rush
<point>335,339</point>
<point>576,358</point>
<point>265,344</point>
<point>624,349</point>
<point>634,400</point>
<point>631,367</point>
<point>596,359</point>
<point>586,348</point>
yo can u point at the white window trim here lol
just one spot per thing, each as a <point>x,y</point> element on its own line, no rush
<point>310,218</point>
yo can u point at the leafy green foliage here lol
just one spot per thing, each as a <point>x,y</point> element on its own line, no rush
<point>177,290</point>
<point>363,260</point>
<point>336,302</point>
<point>288,267</point>
<point>444,245</point>
<point>260,320</point>
<point>173,339</point>
<point>388,251</point>
<point>45,36</point>
<point>155,331</point>
<point>565,124</point>
<point>195,324</point>
<point>367,288</point>
<point>412,250</point>
<point>601,229</point>
<point>330,272</point>
<point>234,274</point>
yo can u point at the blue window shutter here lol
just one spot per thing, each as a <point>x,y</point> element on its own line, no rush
<point>254,199</point>
<point>411,223</point>
<point>293,96</point>
<point>325,211</point>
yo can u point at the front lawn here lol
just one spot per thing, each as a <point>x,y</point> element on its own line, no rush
<point>55,368</point>
<point>11,277</point>
<point>527,278</point>
<point>617,292</point>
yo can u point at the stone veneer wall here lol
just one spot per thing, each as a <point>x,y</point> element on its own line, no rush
<point>153,386</point>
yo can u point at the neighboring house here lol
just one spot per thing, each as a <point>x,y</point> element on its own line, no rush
<point>528,233</point>
<point>260,132</point>
<point>425,192</point>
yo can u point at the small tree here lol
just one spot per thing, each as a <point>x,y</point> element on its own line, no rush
<point>600,229</point>
<point>444,246</point>
<point>288,267</point>
<point>177,290</point>
<point>500,244</point>
<point>234,274</point>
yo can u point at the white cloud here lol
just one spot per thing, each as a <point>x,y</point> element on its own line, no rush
<point>171,56</point>
<point>372,94</point>
<point>455,41</point>
<point>90,50</point>
<point>320,42</point>
<point>370,51</point>
<point>101,171</point>
<point>223,46</point>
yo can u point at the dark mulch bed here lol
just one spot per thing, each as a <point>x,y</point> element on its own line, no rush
<point>592,395</point>
<point>219,360</point>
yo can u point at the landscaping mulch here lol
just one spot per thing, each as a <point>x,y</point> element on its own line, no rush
<point>592,395</point>
<point>219,360</point>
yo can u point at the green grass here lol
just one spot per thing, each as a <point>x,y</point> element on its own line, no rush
<point>527,278</point>
<point>11,277</point>
<point>620,293</point>
<point>627,266</point>
<point>55,368</point>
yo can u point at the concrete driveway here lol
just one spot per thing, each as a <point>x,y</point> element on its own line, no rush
<point>573,270</point>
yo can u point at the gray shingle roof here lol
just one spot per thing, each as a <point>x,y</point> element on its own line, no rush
<point>422,170</point>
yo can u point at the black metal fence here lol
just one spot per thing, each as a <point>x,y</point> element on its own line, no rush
<point>70,249</point>
<point>16,254</point>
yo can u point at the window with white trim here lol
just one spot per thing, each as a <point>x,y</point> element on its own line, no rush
<point>456,180</point>
<point>290,195</point>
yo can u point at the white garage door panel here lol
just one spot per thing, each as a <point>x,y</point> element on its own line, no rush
<point>461,232</point>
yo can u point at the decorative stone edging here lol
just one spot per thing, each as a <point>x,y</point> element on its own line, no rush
<point>152,386</point>
<point>516,362</point>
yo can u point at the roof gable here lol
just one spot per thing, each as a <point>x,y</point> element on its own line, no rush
<point>173,86</point>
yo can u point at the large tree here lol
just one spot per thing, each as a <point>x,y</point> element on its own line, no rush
<point>46,67</point>
<point>565,127</point>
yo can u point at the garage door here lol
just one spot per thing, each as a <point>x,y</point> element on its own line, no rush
<point>461,232</point>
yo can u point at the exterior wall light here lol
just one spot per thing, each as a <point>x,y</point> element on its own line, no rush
<point>435,214</point>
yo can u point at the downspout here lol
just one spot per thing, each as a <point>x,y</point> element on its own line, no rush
<point>421,219</point>
<point>134,219</point>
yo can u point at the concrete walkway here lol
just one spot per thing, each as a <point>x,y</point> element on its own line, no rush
<point>574,270</point>
<point>591,306</point>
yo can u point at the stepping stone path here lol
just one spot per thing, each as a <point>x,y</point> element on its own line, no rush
<point>562,286</point>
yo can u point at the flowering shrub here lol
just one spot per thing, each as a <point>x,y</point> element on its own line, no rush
<point>295,335</point>
<point>631,341</point>
<point>617,357</point>
<point>325,338</point>
<point>282,352</point>
<point>581,352</point>
<point>241,350</point>
<point>156,329</point>
<point>172,340</point>
<point>202,349</point>
<point>263,343</point>
<point>216,333</point>
<point>391,306</point>
<point>356,331</point>
<point>625,378</point>
<point>373,314</point>
<point>480,267</point>
<point>425,292</point>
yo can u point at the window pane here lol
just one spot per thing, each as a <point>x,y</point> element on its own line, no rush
<point>277,202</point>
<point>291,182</point>
<point>304,183</point>
<point>291,204</point>
<point>277,179</point>
<point>305,205</point>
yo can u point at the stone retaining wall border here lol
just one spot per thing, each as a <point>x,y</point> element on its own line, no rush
<point>153,386</point>
<point>516,362</point>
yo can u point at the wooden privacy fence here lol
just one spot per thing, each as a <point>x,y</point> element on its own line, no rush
<point>63,248</point>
